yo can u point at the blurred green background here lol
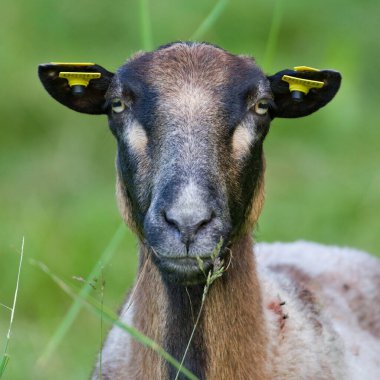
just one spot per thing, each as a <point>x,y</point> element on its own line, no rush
<point>57,166</point>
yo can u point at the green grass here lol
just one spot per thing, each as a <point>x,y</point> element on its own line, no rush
<point>5,357</point>
<point>57,167</point>
<point>210,20</point>
<point>103,313</point>
<point>273,36</point>
<point>72,313</point>
<point>145,26</point>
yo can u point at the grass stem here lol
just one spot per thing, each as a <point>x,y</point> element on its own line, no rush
<point>210,20</point>
<point>102,285</point>
<point>72,313</point>
<point>145,26</point>
<point>95,307</point>
<point>274,32</point>
<point>5,306</point>
<point>5,358</point>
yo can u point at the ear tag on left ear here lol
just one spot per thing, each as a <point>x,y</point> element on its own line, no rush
<point>78,81</point>
<point>300,87</point>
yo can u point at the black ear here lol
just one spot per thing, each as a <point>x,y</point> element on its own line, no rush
<point>88,99</point>
<point>290,105</point>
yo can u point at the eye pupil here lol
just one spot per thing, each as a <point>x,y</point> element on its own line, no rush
<point>262,107</point>
<point>117,105</point>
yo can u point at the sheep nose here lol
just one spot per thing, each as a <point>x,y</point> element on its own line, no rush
<point>188,224</point>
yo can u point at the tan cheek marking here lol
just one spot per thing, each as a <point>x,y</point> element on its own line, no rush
<point>257,203</point>
<point>125,207</point>
<point>241,142</point>
<point>137,138</point>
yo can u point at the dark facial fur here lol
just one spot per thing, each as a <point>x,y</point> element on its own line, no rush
<point>189,150</point>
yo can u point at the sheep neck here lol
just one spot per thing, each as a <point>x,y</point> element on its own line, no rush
<point>230,340</point>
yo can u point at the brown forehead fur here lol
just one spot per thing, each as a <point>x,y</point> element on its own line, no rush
<point>201,64</point>
<point>169,69</point>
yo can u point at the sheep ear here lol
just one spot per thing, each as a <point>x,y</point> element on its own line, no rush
<point>291,102</point>
<point>79,86</point>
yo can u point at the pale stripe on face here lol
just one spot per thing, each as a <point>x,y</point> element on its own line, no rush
<point>136,138</point>
<point>242,140</point>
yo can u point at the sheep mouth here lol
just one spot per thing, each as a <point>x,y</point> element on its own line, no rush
<point>185,270</point>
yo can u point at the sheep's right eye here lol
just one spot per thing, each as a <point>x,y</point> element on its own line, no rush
<point>117,105</point>
<point>262,107</point>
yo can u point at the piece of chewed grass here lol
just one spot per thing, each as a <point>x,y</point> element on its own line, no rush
<point>213,274</point>
<point>217,264</point>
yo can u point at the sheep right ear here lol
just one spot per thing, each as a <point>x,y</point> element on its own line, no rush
<point>291,90</point>
<point>79,86</point>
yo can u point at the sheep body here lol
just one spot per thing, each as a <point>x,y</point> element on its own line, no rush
<point>321,306</point>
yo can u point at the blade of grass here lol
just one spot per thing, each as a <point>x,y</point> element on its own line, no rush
<point>96,307</point>
<point>5,358</point>
<point>102,284</point>
<point>145,25</point>
<point>3,365</point>
<point>72,313</point>
<point>274,31</point>
<point>5,306</point>
<point>210,20</point>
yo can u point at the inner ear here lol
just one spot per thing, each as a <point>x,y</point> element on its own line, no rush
<point>288,107</point>
<point>90,99</point>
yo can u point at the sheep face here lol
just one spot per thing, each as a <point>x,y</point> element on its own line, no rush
<point>189,120</point>
<point>189,150</point>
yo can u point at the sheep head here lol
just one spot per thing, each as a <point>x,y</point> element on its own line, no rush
<point>190,120</point>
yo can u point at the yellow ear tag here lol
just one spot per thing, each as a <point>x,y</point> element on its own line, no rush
<point>304,68</point>
<point>78,81</point>
<point>73,63</point>
<point>300,87</point>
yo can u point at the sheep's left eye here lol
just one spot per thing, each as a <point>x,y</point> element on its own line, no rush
<point>117,105</point>
<point>262,107</point>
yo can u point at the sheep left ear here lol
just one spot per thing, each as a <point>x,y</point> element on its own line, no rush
<point>302,91</point>
<point>79,86</point>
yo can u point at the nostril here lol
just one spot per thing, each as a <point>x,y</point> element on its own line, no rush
<point>204,222</point>
<point>170,220</point>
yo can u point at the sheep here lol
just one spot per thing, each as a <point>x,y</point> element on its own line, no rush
<point>190,120</point>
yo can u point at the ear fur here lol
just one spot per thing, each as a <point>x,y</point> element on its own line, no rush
<point>316,98</point>
<point>92,101</point>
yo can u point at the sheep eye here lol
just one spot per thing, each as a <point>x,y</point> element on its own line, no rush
<point>117,105</point>
<point>262,107</point>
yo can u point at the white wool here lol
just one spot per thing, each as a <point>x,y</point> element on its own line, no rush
<point>346,283</point>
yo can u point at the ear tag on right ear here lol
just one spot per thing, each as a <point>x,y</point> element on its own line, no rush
<point>78,81</point>
<point>305,68</point>
<point>300,87</point>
